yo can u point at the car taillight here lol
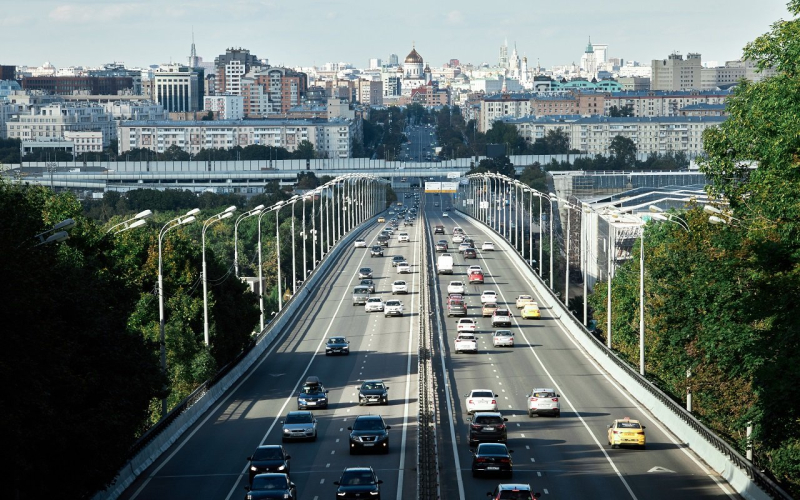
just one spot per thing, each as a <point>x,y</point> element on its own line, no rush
<point>533,400</point>
<point>470,402</point>
<point>505,460</point>
<point>555,400</point>
<point>615,432</point>
<point>501,426</point>
<point>494,402</point>
<point>475,426</point>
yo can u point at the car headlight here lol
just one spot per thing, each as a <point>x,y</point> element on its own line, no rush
<point>340,493</point>
<point>282,467</point>
<point>323,399</point>
<point>253,468</point>
<point>376,493</point>
<point>287,431</point>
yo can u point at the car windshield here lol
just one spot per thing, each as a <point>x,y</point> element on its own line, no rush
<point>628,425</point>
<point>515,495</point>
<point>269,482</point>
<point>368,386</point>
<point>378,299</point>
<point>488,420</point>
<point>392,303</point>
<point>299,418</point>
<point>355,478</point>
<point>336,340</point>
<point>504,333</point>
<point>366,270</point>
<point>271,453</point>
<point>501,312</point>
<point>368,424</point>
<point>541,394</point>
<point>482,394</point>
<point>492,449</point>
<point>311,389</point>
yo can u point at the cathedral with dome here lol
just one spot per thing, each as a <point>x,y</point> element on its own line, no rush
<point>415,73</point>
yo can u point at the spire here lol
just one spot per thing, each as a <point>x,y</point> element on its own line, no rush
<point>193,53</point>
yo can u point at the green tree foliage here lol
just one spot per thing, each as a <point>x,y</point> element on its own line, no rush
<point>77,381</point>
<point>623,151</point>
<point>535,177</point>
<point>9,150</point>
<point>617,112</point>
<point>507,134</point>
<point>501,165</point>
<point>555,142</point>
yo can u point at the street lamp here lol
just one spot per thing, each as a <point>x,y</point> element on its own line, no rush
<point>293,200</point>
<point>187,218</point>
<point>257,210</point>
<point>59,233</point>
<point>228,212</point>
<point>261,261</point>
<point>137,220</point>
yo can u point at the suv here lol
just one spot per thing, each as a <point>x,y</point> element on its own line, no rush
<point>369,432</point>
<point>514,491</point>
<point>470,253</point>
<point>376,251</point>
<point>383,240</point>
<point>487,426</point>
<point>441,246</point>
<point>392,308</point>
<point>543,401</point>
<point>373,391</point>
<point>268,458</point>
<point>359,482</point>
<point>501,317</point>
<point>456,308</point>
<point>360,295</point>
<point>312,395</point>
<point>369,284</point>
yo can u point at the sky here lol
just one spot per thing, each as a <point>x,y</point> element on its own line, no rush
<point>313,32</point>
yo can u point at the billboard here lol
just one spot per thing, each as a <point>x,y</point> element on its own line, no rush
<point>433,187</point>
<point>449,187</point>
<point>453,175</point>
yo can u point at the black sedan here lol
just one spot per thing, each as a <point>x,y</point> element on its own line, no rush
<point>373,392</point>
<point>369,432</point>
<point>358,482</point>
<point>270,486</point>
<point>494,458</point>
<point>268,458</point>
<point>376,251</point>
<point>337,345</point>
<point>370,284</point>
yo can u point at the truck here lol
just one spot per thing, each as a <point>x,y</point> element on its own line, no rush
<point>466,342</point>
<point>445,264</point>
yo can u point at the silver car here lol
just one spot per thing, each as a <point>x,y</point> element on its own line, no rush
<point>503,338</point>
<point>373,304</point>
<point>299,425</point>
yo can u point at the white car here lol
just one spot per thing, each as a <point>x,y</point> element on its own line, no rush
<point>466,342</point>
<point>373,304</point>
<point>503,338</point>
<point>489,296</point>
<point>487,246</point>
<point>399,286</point>
<point>361,243</point>
<point>466,325</point>
<point>402,237</point>
<point>393,308</point>
<point>474,269</point>
<point>444,214</point>
<point>403,268</point>
<point>455,287</point>
<point>458,238</point>
<point>481,400</point>
<point>543,401</point>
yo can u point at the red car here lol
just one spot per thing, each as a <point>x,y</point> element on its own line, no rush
<point>476,277</point>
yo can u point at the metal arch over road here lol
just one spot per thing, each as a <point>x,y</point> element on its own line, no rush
<point>562,458</point>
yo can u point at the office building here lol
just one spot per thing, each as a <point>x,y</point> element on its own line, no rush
<point>178,88</point>
<point>232,67</point>
<point>676,73</point>
<point>50,122</point>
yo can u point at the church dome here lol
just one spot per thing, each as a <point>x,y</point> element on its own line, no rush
<point>413,57</point>
<point>427,69</point>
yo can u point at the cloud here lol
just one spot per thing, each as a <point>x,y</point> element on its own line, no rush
<point>17,20</point>
<point>454,17</point>
<point>92,13</point>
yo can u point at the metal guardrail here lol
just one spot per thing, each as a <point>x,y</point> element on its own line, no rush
<point>762,480</point>
<point>427,451</point>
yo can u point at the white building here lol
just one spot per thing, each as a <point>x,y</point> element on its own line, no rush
<point>85,141</point>
<point>415,74</point>
<point>177,88</point>
<point>135,110</point>
<point>52,121</point>
<point>676,73</point>
<point>225,107</point>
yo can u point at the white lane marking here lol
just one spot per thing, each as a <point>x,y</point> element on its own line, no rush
<point>322,481</point>
<point>327,465</point>
<point>333,452</point>
<point>523,272</point>
<point>527,447</point>
<point>546,492</point>
<point>337,440</point>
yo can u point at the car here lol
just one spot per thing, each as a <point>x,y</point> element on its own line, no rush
<point>389,230</point>
<point>399,286</point>
<point>381,219</point>
<point>470,242</point>
<point>369,284</point>
<point>373,392</point>
<point>358,482</point>
<point>476,277</point>
<point>502,338</point>
<point>369,433</point>
<point>481,400</point>
<point>458,238</point>
<point>501,317</point>
<point>543,401</point>
<point>492,458</point>
<point>376,251</point>
<point>403,237</point>
<point>487,246</point>
<point>470,253</point>
<point>488,309</point>
<point>474,269</point>
<point>514,491</point>
<point>409,221</point>
<point>299,425</point>
<point>626,432</point>
<point>466,342</point>
<point>441,246</point>
<point>438,229</point>
<point>393,308</point>
<point>397,259</point>
<point>361,243</point>
<point>312,395</point>
<point>271,486</point>
<point>522,300</point>
<point>268,458</point>
<point>487,426</point>
<point>365,273</point>
<point>445,214</point>
<point>454,297</point>
<point>466,325</point>
<point>403,268</point>
<point>463,246</point>
<point>531,311</point>
<point>455,287</point>
<point>373,304</point>
<point>456,308</point>
<point>360,295</point>
<point>436,204</point>
<point>488,296</point>
<point>337,345</point>
<point>383,240</point>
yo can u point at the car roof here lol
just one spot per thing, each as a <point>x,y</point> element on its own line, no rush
<point>514,486</point>
<point>487,414</point>
<point>369,417</point>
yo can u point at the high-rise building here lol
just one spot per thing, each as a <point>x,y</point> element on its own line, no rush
<point>178,88</point>
<point>503,61</point>
<point>374,63</point>
<point>231,68</point>
<point>676,73</point>
<point>272,91</point>
<point>8,72</point>
<point>393,60</point>
<point>194,61</point>
<point>589,60</point>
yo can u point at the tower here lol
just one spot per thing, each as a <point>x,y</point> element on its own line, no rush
<point>504,55</point>
<point>193,60</point>
<point>588,60</point>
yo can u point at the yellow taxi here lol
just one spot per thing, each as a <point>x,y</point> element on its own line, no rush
<point>522,300</point>
<point>626,432</point>
<point>381,219</point>
<point>531,311</point>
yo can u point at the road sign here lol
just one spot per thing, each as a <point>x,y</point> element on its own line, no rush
<point>449,187</point>
<point>484,204</point>
<point>433,187</point>
<point>453,175</point>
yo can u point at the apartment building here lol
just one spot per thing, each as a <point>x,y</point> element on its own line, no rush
<point>502,106</point>
<point>85,141</point>
<point>50,122</point>
<point>662,103</point>
<point>272,91</point>
<point>331,138</point>
<point>370,92</point>
<point>676,73</point>
<point>231,68</point>
<point>225,107</point>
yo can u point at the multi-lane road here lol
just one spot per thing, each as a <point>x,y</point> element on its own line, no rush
<point>563,457</point>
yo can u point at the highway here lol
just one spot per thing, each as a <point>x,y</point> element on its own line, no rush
<point>209,461</point>
<point>566,457</point>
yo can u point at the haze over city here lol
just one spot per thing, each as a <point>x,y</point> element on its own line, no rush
<point>145,32</point>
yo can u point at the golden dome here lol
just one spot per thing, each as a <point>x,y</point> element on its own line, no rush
<point>413,57</point>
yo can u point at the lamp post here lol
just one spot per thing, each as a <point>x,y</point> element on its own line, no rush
<point>187,218</point>
<point>228,212</point>
<point>257,210</point>
<point>294,249</point>
<point>137,220</point>
<point>261,261</point>
<point>305,259</point>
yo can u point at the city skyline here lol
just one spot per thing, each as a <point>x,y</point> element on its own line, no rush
<point>88,32</point>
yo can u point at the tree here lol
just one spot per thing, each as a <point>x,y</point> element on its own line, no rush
<point>626,110</point>
<point>507,134</point>
<point>624,151</point>
<point>305,151</point>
